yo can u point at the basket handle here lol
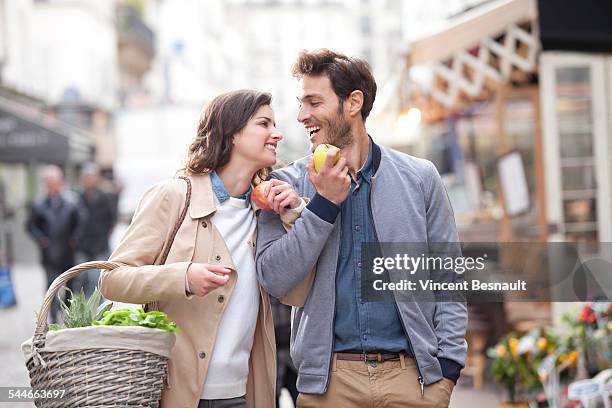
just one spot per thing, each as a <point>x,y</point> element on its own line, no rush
<point>42,327</point>
<point>41,324</point>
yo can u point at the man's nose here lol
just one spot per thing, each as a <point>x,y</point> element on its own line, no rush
<point>303,115</point>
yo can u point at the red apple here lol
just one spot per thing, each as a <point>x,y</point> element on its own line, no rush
<point>259,198</point>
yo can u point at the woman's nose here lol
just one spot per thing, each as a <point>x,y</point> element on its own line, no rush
<point>277,135</point>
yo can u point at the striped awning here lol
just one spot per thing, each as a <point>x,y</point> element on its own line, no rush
<point>29,135</point>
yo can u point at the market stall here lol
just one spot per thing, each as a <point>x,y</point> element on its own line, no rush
<point>510,102</point>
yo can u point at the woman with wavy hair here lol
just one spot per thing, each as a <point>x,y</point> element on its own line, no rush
<point>224,354</point>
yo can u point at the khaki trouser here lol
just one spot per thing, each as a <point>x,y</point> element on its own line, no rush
<point>390,384</point>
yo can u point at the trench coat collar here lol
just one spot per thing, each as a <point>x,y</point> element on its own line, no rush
<point>202,202</point>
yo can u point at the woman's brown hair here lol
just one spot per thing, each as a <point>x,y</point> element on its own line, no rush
<point>225,116</point>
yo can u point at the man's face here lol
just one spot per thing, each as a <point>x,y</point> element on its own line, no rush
<point>322,114</point>
<point>54,184</point>
<point>90,181</point>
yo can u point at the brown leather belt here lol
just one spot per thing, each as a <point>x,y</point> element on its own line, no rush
<point>378,357</point>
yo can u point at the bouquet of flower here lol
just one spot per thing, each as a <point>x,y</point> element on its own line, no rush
<point>591,331</point>
<point>510,368</point>
<point>521,362</point>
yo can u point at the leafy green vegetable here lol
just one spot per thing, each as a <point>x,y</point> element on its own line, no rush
<point>137,317</point>
<point>82,311</point>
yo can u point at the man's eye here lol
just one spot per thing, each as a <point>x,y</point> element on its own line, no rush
<point>315,103</point>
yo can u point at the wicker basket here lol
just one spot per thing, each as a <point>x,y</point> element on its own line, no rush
<point>111,366</point>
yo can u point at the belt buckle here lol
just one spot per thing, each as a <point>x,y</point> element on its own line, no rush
<point>373,363</point>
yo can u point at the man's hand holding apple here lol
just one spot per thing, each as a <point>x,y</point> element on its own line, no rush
<point>332,181</point>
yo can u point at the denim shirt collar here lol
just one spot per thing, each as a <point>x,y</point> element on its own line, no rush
<point>221,192</point>
<point>365,172</point>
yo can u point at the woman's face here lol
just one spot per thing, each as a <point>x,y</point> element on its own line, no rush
<point>255,145</point>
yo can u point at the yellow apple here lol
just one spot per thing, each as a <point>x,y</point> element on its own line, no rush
<point>320,154</point>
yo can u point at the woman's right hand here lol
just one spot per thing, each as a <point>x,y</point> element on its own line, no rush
<point>281,196</point>
<point>203,278</point>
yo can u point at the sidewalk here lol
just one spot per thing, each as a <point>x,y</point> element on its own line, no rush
<point>18,325</point>
<point>464,396</point>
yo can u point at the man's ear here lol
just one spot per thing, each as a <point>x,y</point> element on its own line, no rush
<point>355,103</point>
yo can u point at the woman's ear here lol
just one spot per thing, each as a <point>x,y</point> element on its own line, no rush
<point>355,100</point>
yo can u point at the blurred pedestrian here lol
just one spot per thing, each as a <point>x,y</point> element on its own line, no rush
<point>100,215</point>
<point>113,187</point>
<point>286,373</point>
<point>55,224</point>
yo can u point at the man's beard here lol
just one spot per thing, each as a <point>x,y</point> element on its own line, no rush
<point>339,132</point>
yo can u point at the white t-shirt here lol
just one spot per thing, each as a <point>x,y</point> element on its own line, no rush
<point>229,365</point>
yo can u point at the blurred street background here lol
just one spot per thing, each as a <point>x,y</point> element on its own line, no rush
<point>511,100</point>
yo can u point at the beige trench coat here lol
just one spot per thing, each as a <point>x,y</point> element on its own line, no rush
<point>141,280</point>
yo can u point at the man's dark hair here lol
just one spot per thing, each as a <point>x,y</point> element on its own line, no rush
<point>345,74</point>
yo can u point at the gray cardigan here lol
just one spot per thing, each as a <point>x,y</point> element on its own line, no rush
<point>409,204</point>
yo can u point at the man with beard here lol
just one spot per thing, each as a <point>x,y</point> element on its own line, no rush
<point>350,351</point>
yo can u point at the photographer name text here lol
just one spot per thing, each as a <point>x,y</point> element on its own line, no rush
<point>431,285</point>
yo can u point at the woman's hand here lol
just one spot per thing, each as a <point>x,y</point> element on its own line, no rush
<point>203,278</point>
<point>281,195</point>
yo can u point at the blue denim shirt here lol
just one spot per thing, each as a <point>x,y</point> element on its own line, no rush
<point>362,326</point>
<point>220,190</point>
